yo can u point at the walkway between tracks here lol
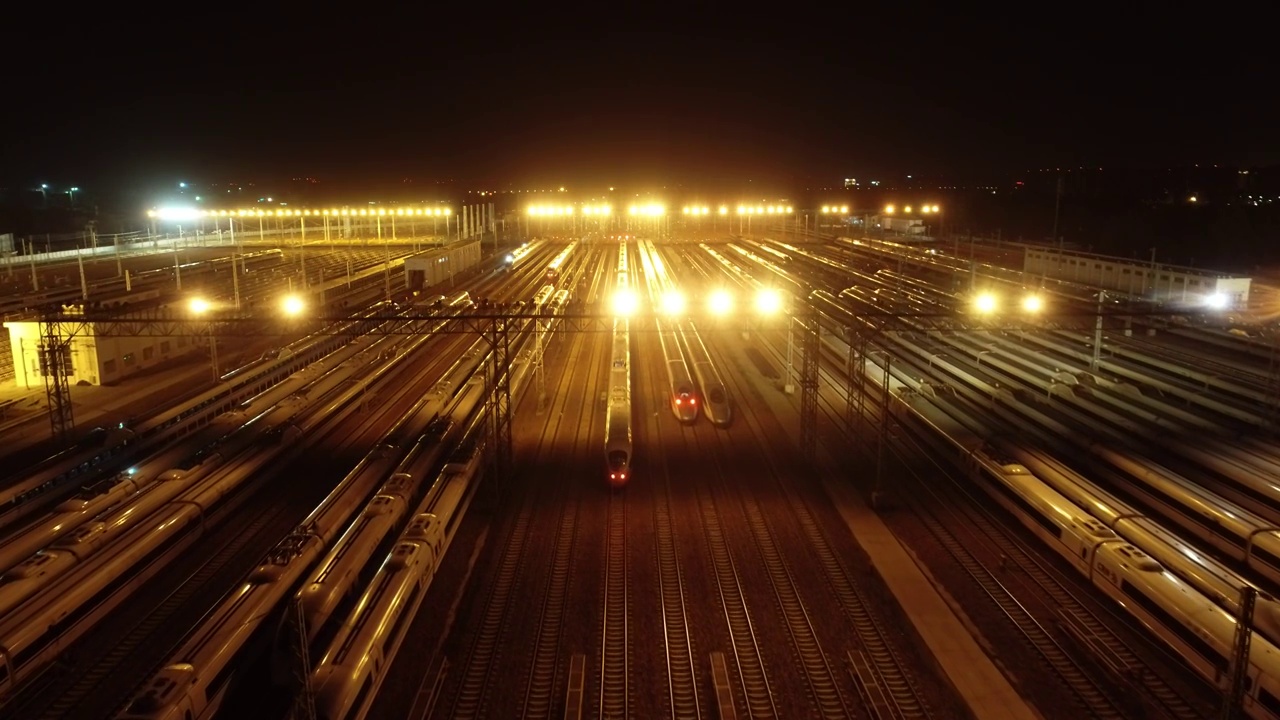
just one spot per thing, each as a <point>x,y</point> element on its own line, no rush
<point>975,677</point>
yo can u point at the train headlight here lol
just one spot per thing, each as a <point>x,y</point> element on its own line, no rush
<point>673,303</point>
<point>199,306</point>
<point>1216,301</point>
<point>1032,303</point>
<point>721,302</point>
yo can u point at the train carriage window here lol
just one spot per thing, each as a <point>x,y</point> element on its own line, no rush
<point>1269,701</point>
<point>1268,557</point>
<point>1165,618</point>
<point>365,689</point>
<point>1027,508</point>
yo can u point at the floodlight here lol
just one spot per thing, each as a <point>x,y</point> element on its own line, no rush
<point>985,303</point>
<point>768,301</point>
<point>721,302</point>
<point>625,303</point>
<point>292,305</point>
<point>673,303</point>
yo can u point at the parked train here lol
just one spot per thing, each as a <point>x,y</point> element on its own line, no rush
<point>326,596</point>
<point>34,633</point>
<point>346,681</point>
<point>683,397</point>
<point>104,444</point>
<point>618,418</point>
<point>716,401</point>
<point>1205,574</point>
<point>1173,611</point>
<point>194,682</point>
<point>171,464</point>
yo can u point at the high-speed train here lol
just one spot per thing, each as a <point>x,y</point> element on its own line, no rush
<point>197,677</point>
<point>617,441</point>
<point>79,463</point>
<point>346,681</point>
<point>325,596</point>
<point>1205,574</point>
<point>33,633</point>
<point>1200,631</point>
<point>683,397</point>
<point>715,395</point>
<point>213,439</point>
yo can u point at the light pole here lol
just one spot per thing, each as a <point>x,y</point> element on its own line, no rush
<point>201,307</point>
<point>1097,333</point>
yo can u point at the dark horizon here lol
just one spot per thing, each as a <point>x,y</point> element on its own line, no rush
<point>960,96</point>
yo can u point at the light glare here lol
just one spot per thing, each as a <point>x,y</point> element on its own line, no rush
<point>673,303</point>
<point>292,305</point>
<point>768,302</point>
<point>721,302</point>
<point>625,303</point>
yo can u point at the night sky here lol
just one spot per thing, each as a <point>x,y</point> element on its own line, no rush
<point>793,95</point>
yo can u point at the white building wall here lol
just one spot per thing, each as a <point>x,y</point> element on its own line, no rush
<point>95,359</point>
<point>438,267</point>
<point>1164,283</point>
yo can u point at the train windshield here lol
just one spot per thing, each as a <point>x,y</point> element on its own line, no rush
<point>717,394</point>
<point>617,460</point>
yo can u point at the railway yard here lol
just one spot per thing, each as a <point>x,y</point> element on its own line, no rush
<point>600,477</point>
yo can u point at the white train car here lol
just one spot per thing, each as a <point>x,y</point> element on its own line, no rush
<point>683,397</point>
<point>617,443</point>
<point>716,401</point>
<point>1200,631</point>
<point>1205,574</point>
<point>348,677</point>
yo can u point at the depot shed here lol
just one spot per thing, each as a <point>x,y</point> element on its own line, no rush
<point>436,268</point>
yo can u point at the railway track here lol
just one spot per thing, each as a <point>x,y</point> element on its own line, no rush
<point>682,681</point>
<point>615,639</point>
<point>885,684</point>
<point>1097,699</point>
<point>475,686</point>
<point>555,596</point>
<point>1169,700</point>
<point>747,657</point>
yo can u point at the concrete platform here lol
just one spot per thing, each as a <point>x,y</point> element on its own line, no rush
<point>962,660</point>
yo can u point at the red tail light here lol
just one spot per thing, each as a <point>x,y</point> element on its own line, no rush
<point>678,401</point>
<point>693,401</point>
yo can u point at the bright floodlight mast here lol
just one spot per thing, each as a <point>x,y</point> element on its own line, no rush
<point>200,308</point>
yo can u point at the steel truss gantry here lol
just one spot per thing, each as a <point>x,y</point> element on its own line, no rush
<point>495,323</point>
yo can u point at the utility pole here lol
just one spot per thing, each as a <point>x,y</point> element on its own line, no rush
<point>1097,333</point>
<point>1233,702</point>
<point>1057,202</point>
